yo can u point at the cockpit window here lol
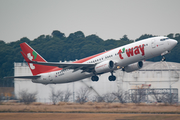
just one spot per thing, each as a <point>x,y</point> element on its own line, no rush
<point>164,39</point>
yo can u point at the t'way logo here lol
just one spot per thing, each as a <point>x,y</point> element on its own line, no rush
<point>31,58</point>
<point>132,51</point>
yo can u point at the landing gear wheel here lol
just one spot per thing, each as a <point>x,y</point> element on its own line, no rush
<point>163,59</point>
<point>112,78</point>
<point>95,78</point>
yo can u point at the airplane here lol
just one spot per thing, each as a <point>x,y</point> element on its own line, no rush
<point>128,58</point>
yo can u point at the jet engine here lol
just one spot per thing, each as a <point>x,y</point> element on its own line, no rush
<point>133,67</point>
<point>106,66</point>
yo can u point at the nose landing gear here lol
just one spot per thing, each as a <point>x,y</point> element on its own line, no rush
<point>163,58</point>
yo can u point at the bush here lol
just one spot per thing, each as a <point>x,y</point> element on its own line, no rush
<point>27,97</point>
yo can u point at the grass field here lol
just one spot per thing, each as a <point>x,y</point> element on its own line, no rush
<point>87,111</point>
<point>90,107</point>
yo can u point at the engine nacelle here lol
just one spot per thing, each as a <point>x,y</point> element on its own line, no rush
<point>133,67</point>
<point>106,66</point>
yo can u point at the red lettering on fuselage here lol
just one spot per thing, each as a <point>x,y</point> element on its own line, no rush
<point>120,55</point>
<point>133,51</point>
<point>142,49</point>
<point>130,52</point>
<point>136,52</point>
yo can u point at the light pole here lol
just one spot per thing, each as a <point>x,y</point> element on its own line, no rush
<point>73,92</point>
<point>169,82</point>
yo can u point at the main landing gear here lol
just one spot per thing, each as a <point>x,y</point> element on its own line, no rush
<point>112,77</point>
<point>95,78</point>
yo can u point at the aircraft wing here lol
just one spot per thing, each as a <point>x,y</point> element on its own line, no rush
<point>75,66</point>
<point>25,77</point>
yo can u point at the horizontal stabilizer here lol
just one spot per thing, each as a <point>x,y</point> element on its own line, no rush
<point>23,77</point>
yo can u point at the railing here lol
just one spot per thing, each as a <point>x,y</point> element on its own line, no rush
<point>22,64</point>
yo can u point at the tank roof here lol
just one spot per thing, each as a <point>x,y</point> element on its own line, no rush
<point>160,66</point>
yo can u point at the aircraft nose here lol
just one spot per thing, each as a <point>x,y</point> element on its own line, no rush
<point>173,43</point>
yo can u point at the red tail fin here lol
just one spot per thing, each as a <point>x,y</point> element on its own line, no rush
<point>30,54</point>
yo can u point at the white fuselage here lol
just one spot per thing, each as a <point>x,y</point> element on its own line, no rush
<point>122,56</point>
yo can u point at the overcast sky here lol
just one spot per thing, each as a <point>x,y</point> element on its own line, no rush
<point>106,18</point>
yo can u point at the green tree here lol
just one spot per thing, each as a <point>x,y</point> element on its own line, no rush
<point>125,38</point>
<point>170,35</point>
<point>58,34</point>
<point>145,36</point>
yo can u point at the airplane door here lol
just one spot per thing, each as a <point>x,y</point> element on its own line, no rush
<point>153,43</point>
